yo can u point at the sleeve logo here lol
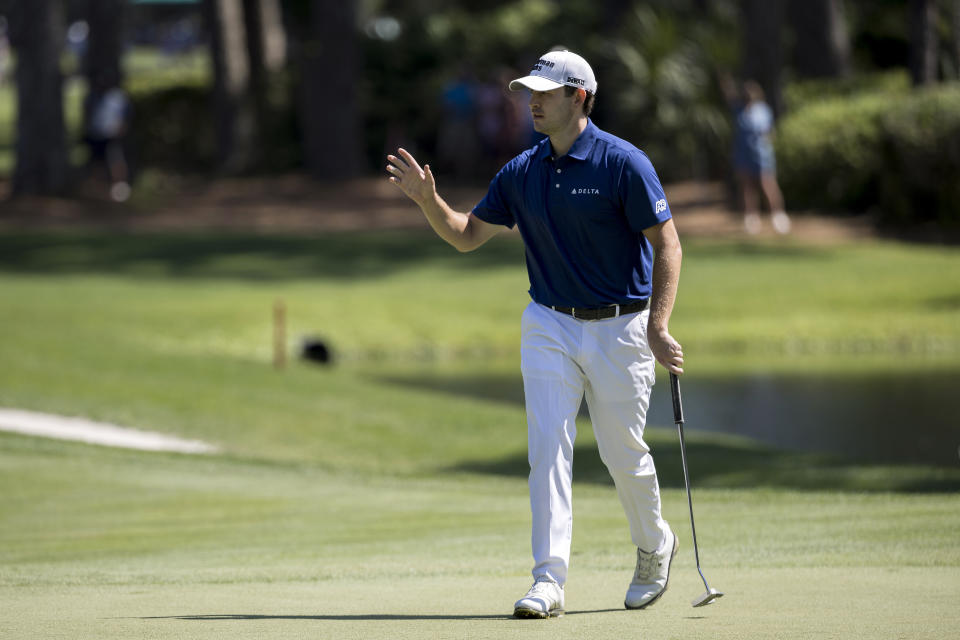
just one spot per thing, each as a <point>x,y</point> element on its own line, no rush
<point>661,205</point>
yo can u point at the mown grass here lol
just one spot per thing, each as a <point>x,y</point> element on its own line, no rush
<point>385,496</point>
<point>111,544</point>
<point>767,305</point>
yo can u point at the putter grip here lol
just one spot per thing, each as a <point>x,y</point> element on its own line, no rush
<point>675,394</point>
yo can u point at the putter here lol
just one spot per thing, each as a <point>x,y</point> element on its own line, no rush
<point>710,594</point>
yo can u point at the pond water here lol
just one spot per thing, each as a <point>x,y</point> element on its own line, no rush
<point>883,418</point>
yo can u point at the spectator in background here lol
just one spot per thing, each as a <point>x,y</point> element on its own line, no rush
<point>458,143</point>
<point>78,40</point>
<point>4,50</point>
<point>753,156</point>
<point>491,111</point>
<point>503,122</point>
<point>517,132</point>
<point>107,111</point>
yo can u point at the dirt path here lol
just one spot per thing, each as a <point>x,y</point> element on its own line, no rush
<point>293,203</point>
<point>700,209</point>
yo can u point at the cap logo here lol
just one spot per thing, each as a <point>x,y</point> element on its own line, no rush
<point>541,63</point>
<point>576,81</point>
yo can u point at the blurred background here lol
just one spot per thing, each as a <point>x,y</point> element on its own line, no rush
<point>198,238</point>
<point>251,133</point>
<point>865,92</point>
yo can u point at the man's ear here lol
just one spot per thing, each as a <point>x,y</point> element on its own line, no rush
<point>581,96</point>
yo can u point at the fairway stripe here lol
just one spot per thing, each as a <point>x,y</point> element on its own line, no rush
<point>80,429</point>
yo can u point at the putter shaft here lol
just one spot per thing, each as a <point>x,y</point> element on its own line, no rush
<point>711,594</point>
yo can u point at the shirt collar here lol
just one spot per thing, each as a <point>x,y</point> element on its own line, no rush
<point>581,146</point>
<point>546,150</point>
<point>584,142</point>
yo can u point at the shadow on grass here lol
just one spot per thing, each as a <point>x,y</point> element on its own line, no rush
<point>348,618</point>
<point>493,386</point>
<point>723,462</point>
<point>209,254</point>
<point>354,617</point>
<point>709,248</point>
<point>247,256</point>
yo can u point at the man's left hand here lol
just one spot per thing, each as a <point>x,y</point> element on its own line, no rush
<point>666,350</point>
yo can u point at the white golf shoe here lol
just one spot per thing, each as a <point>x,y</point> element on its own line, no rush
<point>651,575</point>
<point>752,223</point>
<point>781,222</point>
<point>543,600</point>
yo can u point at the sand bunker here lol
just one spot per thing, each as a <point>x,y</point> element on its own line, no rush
<point>109,435</point>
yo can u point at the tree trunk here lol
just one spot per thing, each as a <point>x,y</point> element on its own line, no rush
<point>923,41</point>
<point>614,12</point>
<point>233,105</point>
<point>273,35</point>
<point>36,33</point>
<point>762,47</point>
<point>260,25</point>
<point>105,42</point>
<point>329,71</point>
<point>822,48</point>
<point>266,54</point>
<point>955,37</point>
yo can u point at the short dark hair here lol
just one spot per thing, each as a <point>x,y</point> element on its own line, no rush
<point>587,102</point>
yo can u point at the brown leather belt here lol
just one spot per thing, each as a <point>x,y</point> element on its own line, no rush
<point>602,313</point>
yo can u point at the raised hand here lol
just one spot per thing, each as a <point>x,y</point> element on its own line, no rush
<point>418,184</point>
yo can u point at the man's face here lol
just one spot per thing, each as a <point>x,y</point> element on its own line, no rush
<point>553,110</point>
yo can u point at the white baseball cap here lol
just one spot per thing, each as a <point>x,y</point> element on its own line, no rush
<point>558,69</point>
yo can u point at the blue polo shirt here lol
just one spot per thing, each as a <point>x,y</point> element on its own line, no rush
<point>581,217</point>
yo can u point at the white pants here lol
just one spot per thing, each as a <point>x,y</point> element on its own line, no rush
<point>610,361</point>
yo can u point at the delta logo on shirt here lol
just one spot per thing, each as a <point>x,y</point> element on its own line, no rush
<point>590,191</point>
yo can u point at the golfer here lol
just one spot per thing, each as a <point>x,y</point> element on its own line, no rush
<point>603,259</point>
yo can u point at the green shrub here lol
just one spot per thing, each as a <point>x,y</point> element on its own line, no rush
<point>802,93</point>
<point>920,180</point>
<point>828,153</point>
<point>173,128</point>
<point>893,152</point>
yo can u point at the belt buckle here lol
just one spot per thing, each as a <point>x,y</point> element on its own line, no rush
<point>573,312</point>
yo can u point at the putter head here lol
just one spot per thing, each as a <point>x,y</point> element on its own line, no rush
<point>707,597</point>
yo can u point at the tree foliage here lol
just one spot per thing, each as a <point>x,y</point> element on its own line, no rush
<point>654,62</point>
<point>365,75</point>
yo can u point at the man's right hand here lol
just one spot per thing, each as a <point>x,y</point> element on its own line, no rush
<point>463,231</point>
<point>417,183</point>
